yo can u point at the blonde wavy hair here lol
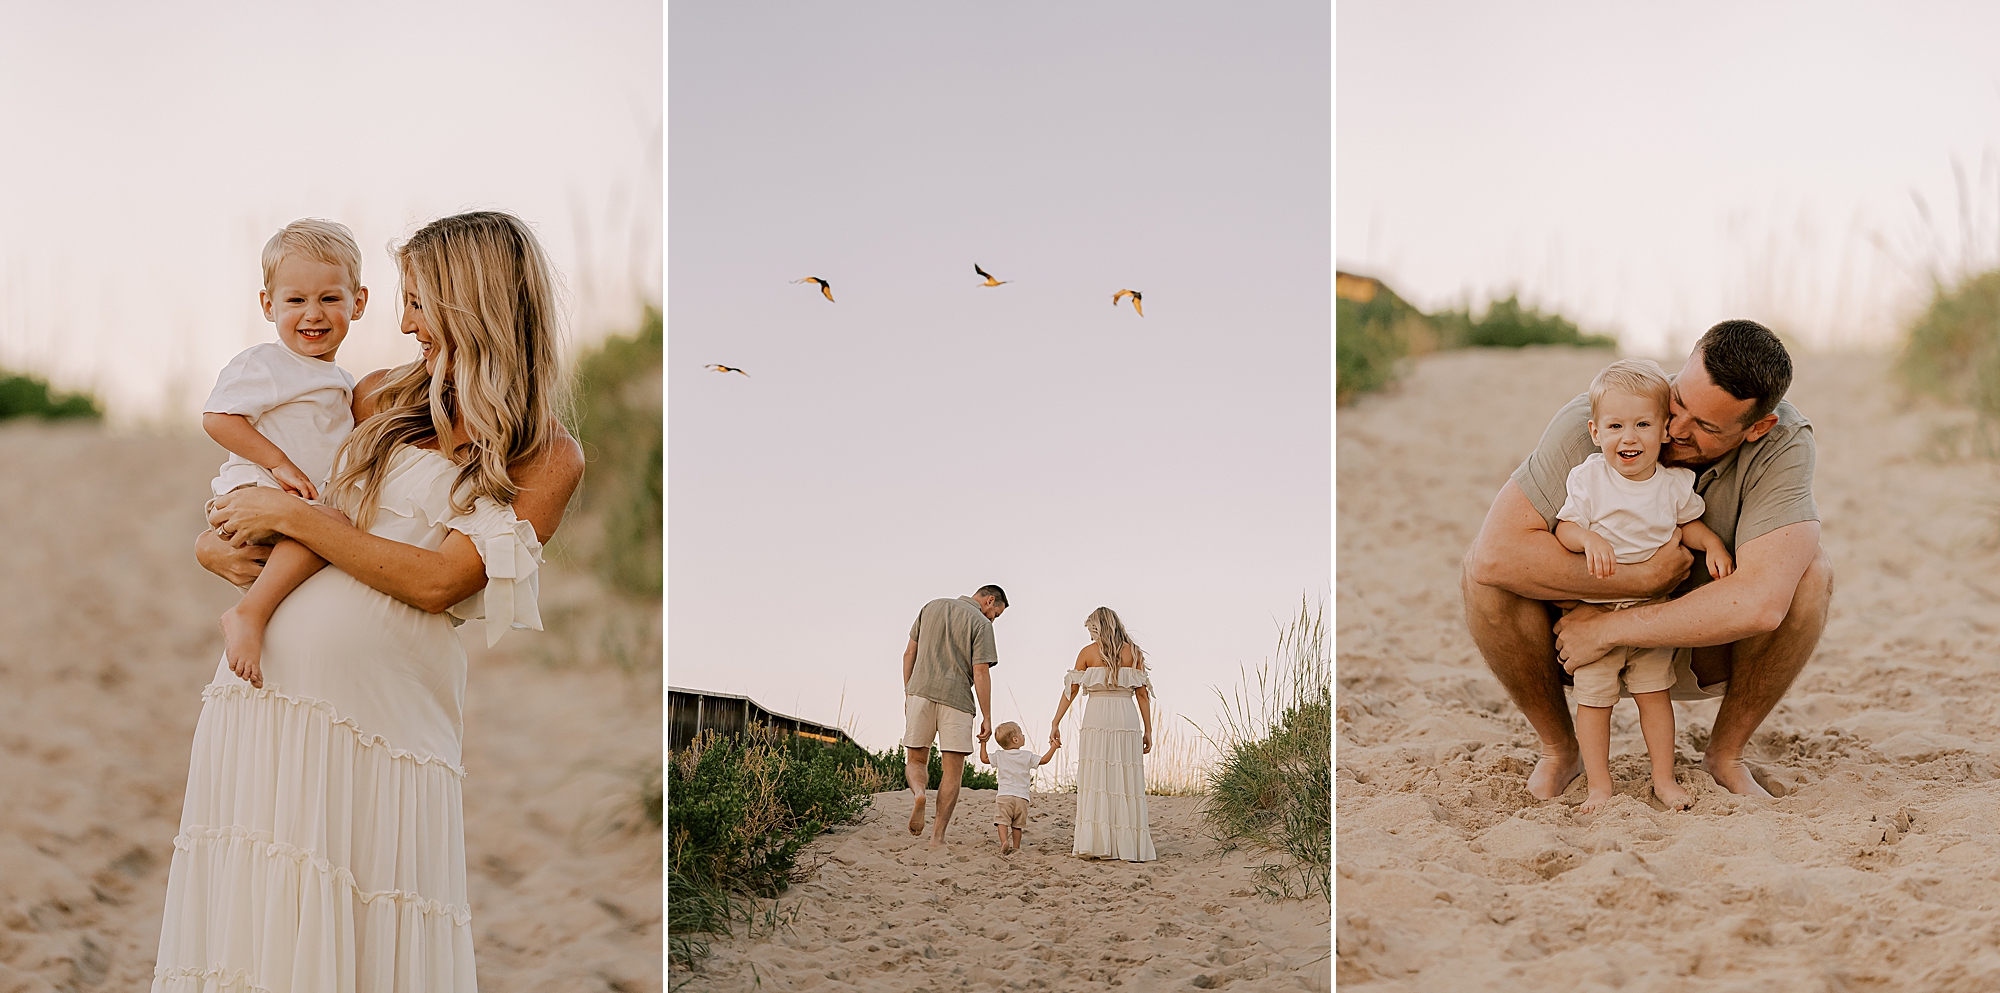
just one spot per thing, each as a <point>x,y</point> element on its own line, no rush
<point>1109,633</point>
<point>486,294</point>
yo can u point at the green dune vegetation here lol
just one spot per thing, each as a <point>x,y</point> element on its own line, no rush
<point>618,421</point>
<point>1273,790</point>
<point>1953,350</point>
<point>30,396</point>
<point>1375,331</point>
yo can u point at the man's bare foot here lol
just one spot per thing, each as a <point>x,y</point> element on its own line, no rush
<point>1553,774</point>
<point>1734,776</point>
<point>1595,800</point>
<point>917,817</point>
<point>1672,794</point>
<point>243,642</point>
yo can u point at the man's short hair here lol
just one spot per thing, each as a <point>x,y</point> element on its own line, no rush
<point>993,591</point>
<point>1748,361</point>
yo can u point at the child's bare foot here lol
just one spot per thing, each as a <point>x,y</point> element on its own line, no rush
<point>243,642</point>
<point>1672,794</point>
<point>917,817</point>
<point>1598,794</point>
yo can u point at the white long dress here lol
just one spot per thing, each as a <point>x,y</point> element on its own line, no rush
<point>1110,767</point>
<point>322,844</point>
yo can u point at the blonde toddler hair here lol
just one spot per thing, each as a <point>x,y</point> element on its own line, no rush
<point>488,299</point>
<point>1641,378</point>
<point>327,242</point>
<point>1007,732</point>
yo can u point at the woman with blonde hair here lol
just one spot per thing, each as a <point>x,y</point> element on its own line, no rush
<point>322,839</point>
<point>1116,735</point>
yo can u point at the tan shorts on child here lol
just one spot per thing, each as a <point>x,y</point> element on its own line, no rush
<point>1011,811</point>
<point>925,719</point>
<point>1646,670</point>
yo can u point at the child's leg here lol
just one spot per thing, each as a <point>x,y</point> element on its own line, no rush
<point>243,625</point>
<point>1002,829</point>
<point>1017,839</point>
<point>1593,736</point>
<point>1656,723</point>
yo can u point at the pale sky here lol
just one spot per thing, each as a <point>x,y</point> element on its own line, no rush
<point>925,435</point>
<point>152,148</point>
<point>1649,170</point>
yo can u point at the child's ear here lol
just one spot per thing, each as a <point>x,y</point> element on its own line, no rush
<point>264,301</point>
<point>360,301</point>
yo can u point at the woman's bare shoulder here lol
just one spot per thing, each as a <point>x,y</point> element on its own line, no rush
<point>558,462</point>
<point>1089,656</point>
<point>364,393</point>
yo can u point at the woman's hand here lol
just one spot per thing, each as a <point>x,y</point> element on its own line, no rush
<point>240,566</point>
<point>255,514</point>
<point>1055,734</point>
<point>1146,742</point>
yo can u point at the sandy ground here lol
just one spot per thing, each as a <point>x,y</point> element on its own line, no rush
<point>1876,871</point>
<point>886,915</point>
<point>107,634</point>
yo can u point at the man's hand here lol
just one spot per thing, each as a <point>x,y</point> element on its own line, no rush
<point>984,731</point>
<point>294,481</point>
<point>1599,555</point>
<point>1659,575</point>
<point>1577,641</point>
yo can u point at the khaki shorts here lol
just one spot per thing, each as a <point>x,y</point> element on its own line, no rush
<point>1011,811</point>
<point>926,719</point>
<point>1683,685</point>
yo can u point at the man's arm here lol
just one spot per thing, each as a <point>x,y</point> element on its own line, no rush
<point>909,663</point>
<point>1750,601</point>
<point>982,688</point>
<point>1516,552</point>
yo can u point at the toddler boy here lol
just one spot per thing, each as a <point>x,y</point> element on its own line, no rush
<point>282,408</point>
<point>1622,507</point>
<point>1016,768</point>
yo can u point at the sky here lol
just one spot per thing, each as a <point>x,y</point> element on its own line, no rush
<point>152,149</point>
<point>925,435</point>
<point>1650,171</point>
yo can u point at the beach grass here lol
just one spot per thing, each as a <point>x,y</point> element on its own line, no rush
<point>1376,332</point>
<point>1273,788</point>
<point>30,396</point>
<point>739,812</point>
<point>618,422</point>
<point>1953,351</point>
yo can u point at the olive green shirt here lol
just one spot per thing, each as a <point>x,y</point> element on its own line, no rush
<point>1760,487</point>
<point>952,636</point>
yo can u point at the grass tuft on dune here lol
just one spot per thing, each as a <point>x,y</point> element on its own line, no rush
<point>1273,789</point>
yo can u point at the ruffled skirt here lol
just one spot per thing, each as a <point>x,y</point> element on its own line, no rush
<point>313,855</point>
<point>1111,781</point>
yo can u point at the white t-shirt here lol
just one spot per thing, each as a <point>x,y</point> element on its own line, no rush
<point>1016,768</point>
<point>304,406</point>
<point>1637,517</point>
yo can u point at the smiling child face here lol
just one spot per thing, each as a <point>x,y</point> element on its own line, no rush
<point>1629,430</point>
<point>312,303</point>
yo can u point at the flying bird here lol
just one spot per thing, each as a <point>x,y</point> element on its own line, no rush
<point>990,281</point>
<point>1134,294</point>
<point>724,368</point>
<point>825,287</point>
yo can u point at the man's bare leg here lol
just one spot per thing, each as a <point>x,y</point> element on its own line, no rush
<point>1515,639</point>
<point>917,772</point>
<point>954,773</point>
<point>1760,670</point>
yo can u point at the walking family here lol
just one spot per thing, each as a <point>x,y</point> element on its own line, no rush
<point>945,676</point>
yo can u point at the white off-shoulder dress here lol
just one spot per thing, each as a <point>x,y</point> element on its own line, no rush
<point>322,843</point>
<point>1110,767</point>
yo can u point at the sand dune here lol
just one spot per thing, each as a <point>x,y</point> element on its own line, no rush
<point>107,634</point>
<point>885,914</point>
<point>1876,871</point>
